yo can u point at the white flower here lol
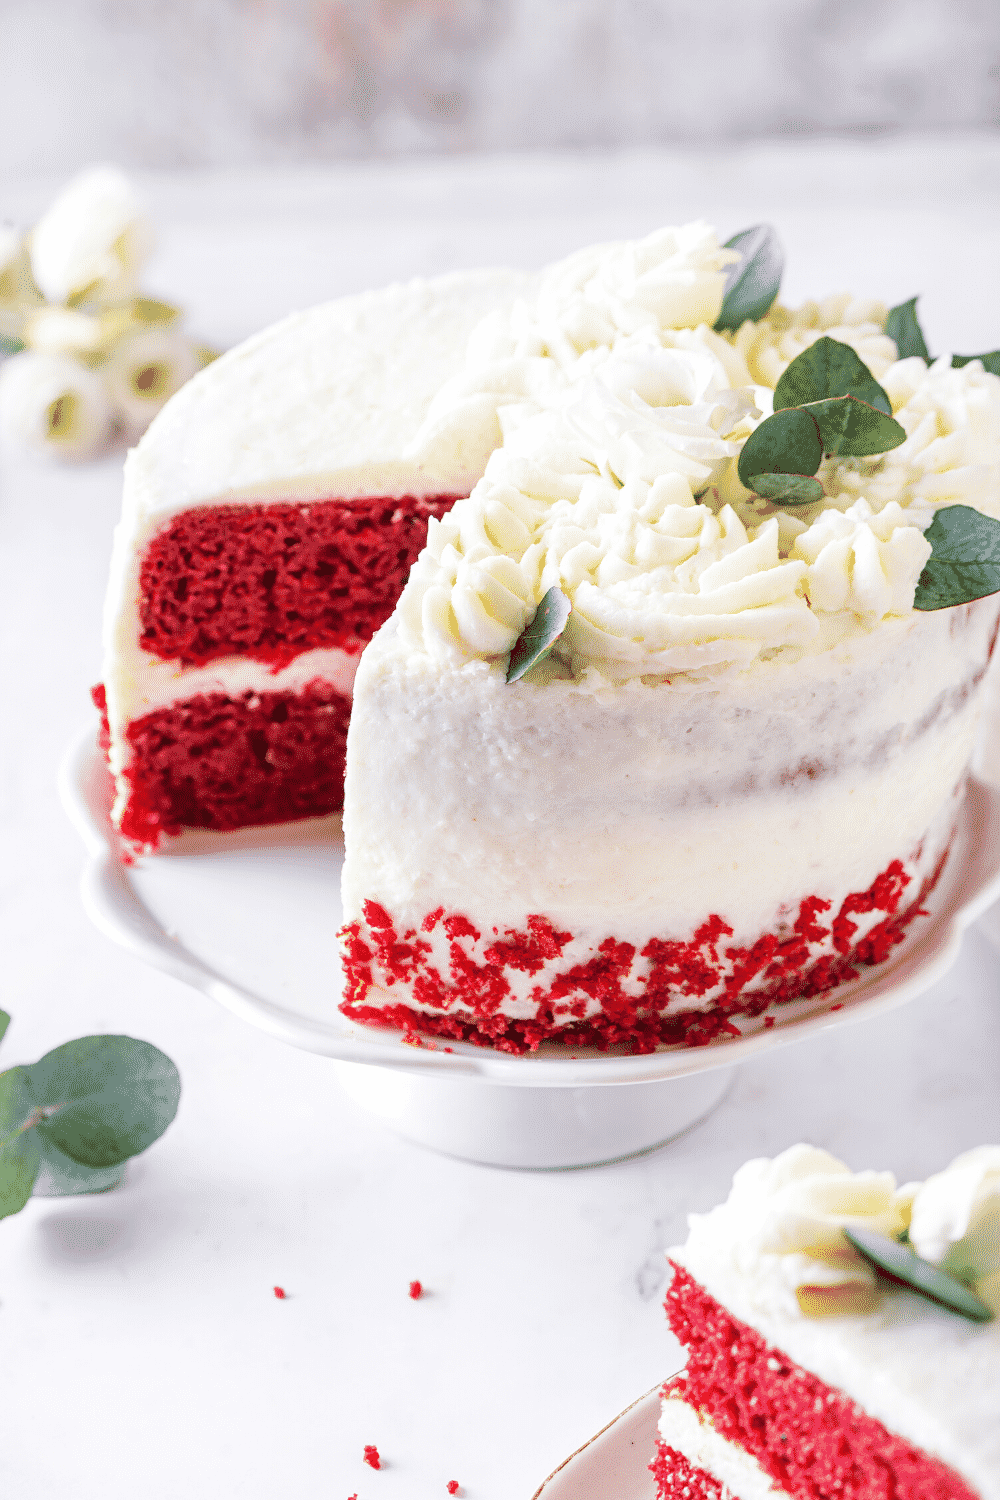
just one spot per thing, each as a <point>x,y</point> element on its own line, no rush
<point>93,239</point>
<point>144,372</point>
<point>956,1221</point>
<point>51,404</point>
<point>62,330</point>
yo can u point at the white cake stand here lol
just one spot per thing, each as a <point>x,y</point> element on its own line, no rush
<point>250,918</point>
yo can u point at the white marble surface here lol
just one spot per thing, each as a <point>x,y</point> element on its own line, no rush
<point>141,1348</point>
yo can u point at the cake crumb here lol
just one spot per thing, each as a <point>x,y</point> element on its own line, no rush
<point>371,1456</point>
<point>768,1023</point>
<point>416,1290</point>
<point>453,1486</point>
<point>280,1293</point>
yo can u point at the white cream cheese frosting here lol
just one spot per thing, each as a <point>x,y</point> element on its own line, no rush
<point>927,1374</point>
<point>684,1430</point>
<point>624,494</point>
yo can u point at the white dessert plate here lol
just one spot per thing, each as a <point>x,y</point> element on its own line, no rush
<point>614,1465</point>
<point>250,918</point>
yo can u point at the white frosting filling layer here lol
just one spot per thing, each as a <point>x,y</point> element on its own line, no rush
<point>926,1374</point>
<point>696,1439</point>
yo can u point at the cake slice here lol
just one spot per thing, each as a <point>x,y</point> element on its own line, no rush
<point>811,1375</point>
<point>270,518</point>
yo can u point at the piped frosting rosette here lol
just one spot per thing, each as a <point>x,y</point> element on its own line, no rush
<point>614,496</point>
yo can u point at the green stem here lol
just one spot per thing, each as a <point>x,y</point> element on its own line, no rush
<point>38,1114</point>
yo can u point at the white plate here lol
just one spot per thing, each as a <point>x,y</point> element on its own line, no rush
<point>251,918</point>
<point>614,1465</point>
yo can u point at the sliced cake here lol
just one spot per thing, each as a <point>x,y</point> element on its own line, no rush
<point>271,515</point>
<point>810,1373</point>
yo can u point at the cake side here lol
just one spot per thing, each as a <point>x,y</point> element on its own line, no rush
<point>766,833</point>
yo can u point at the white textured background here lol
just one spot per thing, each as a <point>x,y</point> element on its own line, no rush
<point>175,83</point>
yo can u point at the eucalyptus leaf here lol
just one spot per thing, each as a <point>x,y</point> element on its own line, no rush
<point>107,1097</point>
<point>788,489</point>
<point>848,426</point>
<point>4,1023</point>
<point>538,637</point>
<point>902,1263</point>
<point>9,344</point>
<point>60,1175</point>
<point>828,368</point>
<point>991,362</point>
<point>752,283</point>
<point>20,1156</point>
<point>965,559</point>
<point>787,443</point>
<point>906,333</point>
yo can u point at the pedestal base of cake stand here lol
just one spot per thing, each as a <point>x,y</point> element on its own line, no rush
<point>535,1129</point>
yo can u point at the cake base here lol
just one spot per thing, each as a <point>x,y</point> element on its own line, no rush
<point>535,1129</point>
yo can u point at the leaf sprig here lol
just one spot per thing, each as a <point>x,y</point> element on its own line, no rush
<point>70,1121</point>
<point>901,1263</point>
<point>753,281</point>
<point>903,327</point>
<point>540,634</point>
<point>827,401</point>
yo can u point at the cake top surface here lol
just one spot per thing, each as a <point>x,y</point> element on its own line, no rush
<point>324,403</point>
<point>624,415</point>
<point>776,1255</point>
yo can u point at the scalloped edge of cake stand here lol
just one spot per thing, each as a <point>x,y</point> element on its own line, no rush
<point>969,886</point>
<point>614,1463</point>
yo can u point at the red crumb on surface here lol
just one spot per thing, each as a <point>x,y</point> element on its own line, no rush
<point>677,1479</point>
<point>811,1438</point>
<point>638,993</point>
<point>219,762</point>
<point>271,581</point>
<point>280,1293</point>
<point>453,1486</point>
<point>416,1290</point>
<point>371,1456</point>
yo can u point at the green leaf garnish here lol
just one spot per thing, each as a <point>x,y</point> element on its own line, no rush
<point>79,1113</point>
<point>829,368</point>
<point>752,282</point>
<point>110,1097</point>
<point>906,333</point>
<point>9,344</point>
<point>965,559</point>
<point>787,489</point>
<point>850,426</point>
<point>20,1154</point>
<point>903,1264</point>
<point>991,362</point>
<point>540,634</point>
<point>787,443</point>
<point>4,1023</point>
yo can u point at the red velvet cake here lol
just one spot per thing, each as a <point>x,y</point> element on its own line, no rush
<point>271,517</point>
<point>810,1374</point>
<point>655,740</point>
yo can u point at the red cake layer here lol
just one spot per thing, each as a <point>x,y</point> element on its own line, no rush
<point>812,1439</point>
<point>781,968</point>
<point>676,1479</point>
<point>219,762</point>
<point>271,581</point>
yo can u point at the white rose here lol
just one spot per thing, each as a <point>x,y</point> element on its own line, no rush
<point>144,372</point>
<point>956,1221</point>
<point>51,404</point>
<point>92,239</point>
